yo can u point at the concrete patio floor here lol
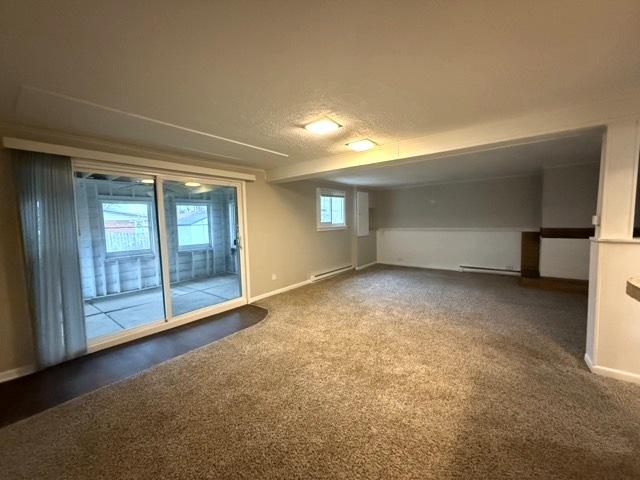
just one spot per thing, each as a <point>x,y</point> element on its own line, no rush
<point>114,313</point>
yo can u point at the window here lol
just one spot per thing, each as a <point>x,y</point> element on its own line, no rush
<point>127,226</point>
<point>331,209</point>
<point>193,225</point>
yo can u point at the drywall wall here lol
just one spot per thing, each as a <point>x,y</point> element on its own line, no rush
<point>449,249</point>
<point>564,258</point>
<point>283,241</point>
<point>614,315</point>
<point>560,198</point>
<point>569,198</point>
<point>16,348</point>
<point>283,236</point>
<point>366,246</point>
<point>495,203</point>
<point>636,208</point>
<point>367,249</point>
<point>474,223</point>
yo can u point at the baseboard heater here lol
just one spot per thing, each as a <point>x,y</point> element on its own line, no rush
<point>501,271</point>
<point>330,273</point>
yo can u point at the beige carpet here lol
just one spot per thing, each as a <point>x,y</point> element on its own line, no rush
<point>388,373</point>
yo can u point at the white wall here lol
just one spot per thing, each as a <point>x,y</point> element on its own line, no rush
<point>448,249</point>
<point>494,203</point>
<point>560,198</point>
<point>564,258</point>
<point>367,249</point>
<point>283,235</point>
<point>569,200</point>
<point>569,196</point>
<point>366,246</point>
<point>617,345</point>
<point>475,223</point>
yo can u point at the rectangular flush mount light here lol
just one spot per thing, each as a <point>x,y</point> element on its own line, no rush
<point>322,126</point>
<point>361,145</point>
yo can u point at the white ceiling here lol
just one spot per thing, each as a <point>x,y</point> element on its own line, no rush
<point>507,161</point>
<point>192,75</point>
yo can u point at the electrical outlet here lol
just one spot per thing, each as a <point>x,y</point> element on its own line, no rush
<point>274,276</point>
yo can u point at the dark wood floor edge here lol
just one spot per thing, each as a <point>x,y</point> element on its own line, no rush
<point>144,339</point>
<point>569,285</point>
<point>31,394</point>
<point>162,333</point>
<point>33,369</point>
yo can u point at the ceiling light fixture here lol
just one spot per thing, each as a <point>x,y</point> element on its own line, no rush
<point>322,126</point>
<point>148,181</point>
<point>361,145</point>
<point>192,184</point>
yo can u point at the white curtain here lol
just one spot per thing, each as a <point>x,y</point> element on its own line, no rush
<point>47,211</point>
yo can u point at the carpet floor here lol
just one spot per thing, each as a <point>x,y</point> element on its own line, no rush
<point>386,373</point>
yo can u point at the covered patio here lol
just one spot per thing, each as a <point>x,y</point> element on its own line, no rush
<point>113,313</point>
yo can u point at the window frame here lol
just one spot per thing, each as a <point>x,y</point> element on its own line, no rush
<point>163,174</point>
<point>200,246</point>
<point>330,192</point>
<point>102,199</point>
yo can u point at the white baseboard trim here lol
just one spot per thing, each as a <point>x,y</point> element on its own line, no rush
<point>587,360</point>
<point>447,268</point>
<point>366,265</point>
<point>309,281</point>
<point>16,372</point>
<point>416,265</point>
<point>317,277</point>
<point>611,372</point>
<point>279,290</point>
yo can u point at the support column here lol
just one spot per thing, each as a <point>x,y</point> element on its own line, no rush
<point>618,177</point>
<point>613,329</point>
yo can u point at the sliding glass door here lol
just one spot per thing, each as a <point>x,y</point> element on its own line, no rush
<point>119,252</point>
<point>202,242</point>
<point>155,249</point>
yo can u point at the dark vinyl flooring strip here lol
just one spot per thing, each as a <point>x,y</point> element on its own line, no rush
<point>28,395</point>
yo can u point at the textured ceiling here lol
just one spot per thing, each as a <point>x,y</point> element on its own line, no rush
<point>192,75</point>
<point>500,162</point>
